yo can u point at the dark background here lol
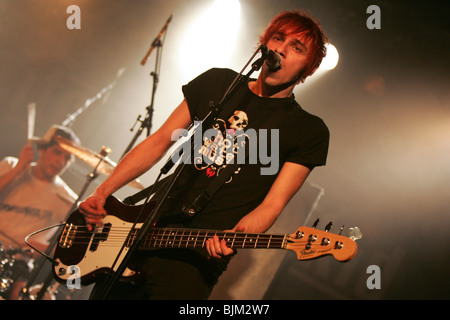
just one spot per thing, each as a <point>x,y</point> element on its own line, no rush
<point>386,104</point>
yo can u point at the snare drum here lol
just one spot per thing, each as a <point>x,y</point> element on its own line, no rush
<point>12,268</point>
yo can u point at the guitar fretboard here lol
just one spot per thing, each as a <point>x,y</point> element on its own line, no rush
<point>196,238</point>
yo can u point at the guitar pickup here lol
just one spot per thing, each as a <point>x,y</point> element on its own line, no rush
<point>100,236</point>
<point>131,237</point>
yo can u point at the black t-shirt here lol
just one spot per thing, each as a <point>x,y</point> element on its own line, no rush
<point>278,131</point>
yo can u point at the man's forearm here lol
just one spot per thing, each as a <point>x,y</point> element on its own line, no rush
<point>138,161</point>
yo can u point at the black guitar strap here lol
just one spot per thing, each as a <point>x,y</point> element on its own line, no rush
<point>207,194</point>
<point>199,201</point>
<point>143,194</point>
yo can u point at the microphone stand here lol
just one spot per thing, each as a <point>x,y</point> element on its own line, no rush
<point>25,293</point>
<point>147,122</point>
<point>152,217</point>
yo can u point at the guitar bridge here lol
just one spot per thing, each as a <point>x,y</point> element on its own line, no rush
<point>67,236</point>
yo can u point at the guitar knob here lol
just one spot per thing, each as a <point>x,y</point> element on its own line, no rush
<point>325,241</point>
<point>299,235</point>
<point>338,245</point>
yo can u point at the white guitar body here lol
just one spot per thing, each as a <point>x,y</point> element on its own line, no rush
<point>100,256</point>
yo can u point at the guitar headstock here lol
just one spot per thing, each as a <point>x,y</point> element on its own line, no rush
<point>310,243</point>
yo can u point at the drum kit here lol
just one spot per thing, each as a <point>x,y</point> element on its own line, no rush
<point>100,163</point>
<point>15,262</point>
<point>12,260</point>
<point>7,262</point>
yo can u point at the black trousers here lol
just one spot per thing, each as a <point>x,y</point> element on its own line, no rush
<point>168,274</point>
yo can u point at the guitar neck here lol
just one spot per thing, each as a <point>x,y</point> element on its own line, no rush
<point>196,238</point>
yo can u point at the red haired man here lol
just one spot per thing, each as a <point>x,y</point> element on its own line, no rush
<point>248,201</point>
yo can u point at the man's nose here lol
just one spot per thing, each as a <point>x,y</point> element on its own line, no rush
<point>281,50</point>
<point>63,159</point>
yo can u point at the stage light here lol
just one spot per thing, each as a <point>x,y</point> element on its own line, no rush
<point>211,39</point>
<point>331,59</point>
<point>329,62</point>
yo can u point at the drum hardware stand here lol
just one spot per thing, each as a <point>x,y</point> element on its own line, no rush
<point>25,294</point>
<point>72,117</point>
<point>152,217</point>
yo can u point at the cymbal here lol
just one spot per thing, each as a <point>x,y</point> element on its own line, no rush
<point>101,162</point>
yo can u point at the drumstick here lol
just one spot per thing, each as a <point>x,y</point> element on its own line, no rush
<point>31,120</point>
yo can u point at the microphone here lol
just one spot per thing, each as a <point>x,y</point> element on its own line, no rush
<point>273,59</point>
<point>155,42</point>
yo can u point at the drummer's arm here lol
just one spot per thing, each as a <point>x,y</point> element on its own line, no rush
<point>24,160</point>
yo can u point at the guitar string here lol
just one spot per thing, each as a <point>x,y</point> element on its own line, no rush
<point>169,232</point>
<point>81,240</point>
<point>112,234</point>
<point>173,232</point>
<point>279,246</point>
<point>186,243</point>
<point>241,242</point>
<point>173,237</point>
<point>169,238</point>
<point>175,229</point>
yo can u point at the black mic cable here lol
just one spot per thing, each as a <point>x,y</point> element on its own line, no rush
<point>53,261</point>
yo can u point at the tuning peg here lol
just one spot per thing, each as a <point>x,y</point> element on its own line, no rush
<point>328,226</point>
<point>315,223</point>
<point>340,231</point>
<point>354,233</point>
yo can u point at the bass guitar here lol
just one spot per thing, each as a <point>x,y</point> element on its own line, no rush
<point>96,252</point>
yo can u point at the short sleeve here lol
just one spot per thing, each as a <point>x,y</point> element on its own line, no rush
<point>208,87</point>
<point>313,142</point>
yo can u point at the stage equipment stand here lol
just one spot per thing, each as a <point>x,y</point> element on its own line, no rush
<point>73,116</point>
<point>146,123</point>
